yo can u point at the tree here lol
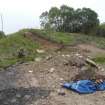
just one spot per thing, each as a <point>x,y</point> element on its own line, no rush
<point>2,34</point>
<point>44,19</point>
<point>100,30</point>
<point>88,20</point>
<point>66,19</point>
<point>54,18</point>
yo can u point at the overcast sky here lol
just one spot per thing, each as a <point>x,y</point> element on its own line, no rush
<point>18,14</point>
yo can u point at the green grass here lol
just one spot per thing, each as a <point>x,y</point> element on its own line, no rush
<point>11,44</point>
<point>70,38</point>
<point>59,37</point>
<point>100,59</point>
<point>7,62</point>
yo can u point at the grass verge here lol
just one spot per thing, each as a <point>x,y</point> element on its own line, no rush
<point>69,38</point>
<point>11,44</point>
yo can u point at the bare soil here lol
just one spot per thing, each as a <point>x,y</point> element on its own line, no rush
<point>40,83</point>
<point>45,43</point>
<point>91,49</point>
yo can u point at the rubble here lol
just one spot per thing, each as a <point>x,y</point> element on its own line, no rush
<point>30,71</point>
<point>92,63</point>
<point>61,79</point>
<point>48,57</point>
<point>76,61</point>
<point>61,92</point>
<point>87,69</point>
<point>52,70</point>
<point>38,59</point>
<point>40,51</point>
<point>51,73</point>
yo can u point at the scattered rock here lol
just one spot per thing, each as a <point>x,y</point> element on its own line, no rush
<point>102,69</point>
<point>52,70</point>
<point>61,92</point>
<point>63,55</point>
<point>49,57</point>
<point>30,71</point>
<point>76,61</point>
<point>38,59</point>
<point>80,56</point>
<point>43,77</point>
<point>67,55</point>
<point>84,68</point>
<point>77,54</point>
<point>18,95</point>
<point>26,63</point>
<point>92,63</point>
<point>66,63</point>
<point>61,79</point>
<point>27,96</point>
<point>13,100</point>
<point>40,51</point>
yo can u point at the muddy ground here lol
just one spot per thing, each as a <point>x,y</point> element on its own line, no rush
<point>40,82</point>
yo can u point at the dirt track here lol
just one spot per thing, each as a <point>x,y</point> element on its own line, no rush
<point>45,43</point>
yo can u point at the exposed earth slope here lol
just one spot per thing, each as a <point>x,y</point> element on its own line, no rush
<point>39,82</point>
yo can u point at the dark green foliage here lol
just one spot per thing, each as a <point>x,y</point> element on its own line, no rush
<point>88,19</point>
<point>66,19</point>
<point>100,31</point>
<point>2,34</point>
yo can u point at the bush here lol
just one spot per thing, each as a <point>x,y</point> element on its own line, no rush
<point>100,31</point>
<point>2,34</point>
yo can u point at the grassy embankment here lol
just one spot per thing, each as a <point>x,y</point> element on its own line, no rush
<point>75,38</point>
<point>12,43</point>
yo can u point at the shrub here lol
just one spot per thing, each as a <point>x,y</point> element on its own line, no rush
<point>100,31</point>
<point>2,34</point>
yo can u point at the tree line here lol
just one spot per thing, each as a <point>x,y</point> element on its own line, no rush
<point>68,19</point>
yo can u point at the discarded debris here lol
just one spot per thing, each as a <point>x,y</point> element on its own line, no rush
<point>61,79</point>
<point>92,63</point>
<point>85,86</point>
<point>77,54</point>
<point>66,63</point>
<point>61,92</point>
<point>63,55</point>
<point>38,59</point>
<point>49,57</point>
<point>52,70</point>
<point>30,71</point>
<point>40,51</point>
<point>76,61</point>
<point>67,55</point>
